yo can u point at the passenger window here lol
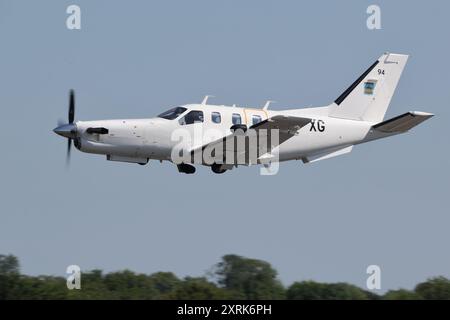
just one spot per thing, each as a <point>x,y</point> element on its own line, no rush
<point>192,117</point>
<point>215,117</point>
<point>237,118</point>
<point>256,119</point>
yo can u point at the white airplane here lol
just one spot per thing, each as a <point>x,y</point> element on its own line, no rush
<point>310,134</point>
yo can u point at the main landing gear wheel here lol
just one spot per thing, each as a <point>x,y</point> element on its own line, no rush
<point>217,168</point>
<point>186,168</point>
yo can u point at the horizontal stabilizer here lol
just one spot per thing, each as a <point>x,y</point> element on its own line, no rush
<point>329,154</point>
<point>403,122</point>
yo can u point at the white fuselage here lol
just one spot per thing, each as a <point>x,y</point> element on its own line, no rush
<point>138,140</point>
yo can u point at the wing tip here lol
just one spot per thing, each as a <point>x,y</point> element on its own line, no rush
<point>422,114</point>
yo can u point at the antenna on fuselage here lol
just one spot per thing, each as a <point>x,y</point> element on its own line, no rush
<point>205,99</point>
<point>268,102</point>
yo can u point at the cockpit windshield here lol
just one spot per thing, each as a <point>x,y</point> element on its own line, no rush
<point>172,113</point>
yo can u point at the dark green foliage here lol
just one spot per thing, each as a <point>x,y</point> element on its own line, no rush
<point>401,294</point>
<point>197,289</point>
<point>42,288</point>
<point>9,276</point>
<point>8,264</point>
<point>236,278</point>
<point>310,290</point>
<point>165,283</point>
<point>434,289</point>
<point>125,285</point>
<point>248,278</point>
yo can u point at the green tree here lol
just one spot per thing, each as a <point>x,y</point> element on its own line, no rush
<point>311,290</point>
<point>164,283</point>
<point>236,278</point>
<point>248,278</point>
<point>40,288</point>
<point>125,285</point>
<point>434,289</point>
<point>93,287</point>
<point>9,264</point>
<point>9,276</point>
<point>401,294</point>
<point>128,285</point>
<point>197,289</point>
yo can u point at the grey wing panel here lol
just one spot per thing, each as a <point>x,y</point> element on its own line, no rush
<point>403,122</point>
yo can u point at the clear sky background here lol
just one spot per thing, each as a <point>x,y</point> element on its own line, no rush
<point>385,204</point>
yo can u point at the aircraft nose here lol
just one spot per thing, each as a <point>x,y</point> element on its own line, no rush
<point>66,130</point>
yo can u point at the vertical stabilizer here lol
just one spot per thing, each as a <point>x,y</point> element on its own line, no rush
<point>369,96</point>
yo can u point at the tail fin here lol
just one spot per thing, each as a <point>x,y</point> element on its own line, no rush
<point>369,96</point>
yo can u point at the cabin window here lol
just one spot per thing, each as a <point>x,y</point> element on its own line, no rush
<point>194,116</point>
<point>236,118</point>
<point>215,117</point>
<point>256,119</point>
<point>172,113</point>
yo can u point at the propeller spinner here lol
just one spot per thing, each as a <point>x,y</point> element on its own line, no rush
<point>68,130</point>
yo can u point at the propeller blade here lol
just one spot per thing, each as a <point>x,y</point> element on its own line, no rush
<point>69,146</point>
<point>71,106</point>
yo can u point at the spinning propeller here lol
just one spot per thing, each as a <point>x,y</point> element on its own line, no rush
<point>68,130</point>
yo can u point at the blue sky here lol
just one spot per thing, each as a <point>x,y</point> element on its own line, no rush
<point>384,204</point>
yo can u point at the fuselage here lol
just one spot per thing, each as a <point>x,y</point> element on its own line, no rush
<point>139,140</point>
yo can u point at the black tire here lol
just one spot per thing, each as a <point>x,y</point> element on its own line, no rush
<point>143,163</point>
<point>217,168</point>
<point>186,168</point>
<point>235,127</point>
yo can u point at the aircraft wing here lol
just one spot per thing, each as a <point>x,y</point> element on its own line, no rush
<point>264,139</point>
<point>287,126</point>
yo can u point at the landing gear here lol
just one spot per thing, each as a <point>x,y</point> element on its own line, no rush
<point>218,168</point>
<point>143,163</point>
<point>237,127</point>
<point>186,168</point>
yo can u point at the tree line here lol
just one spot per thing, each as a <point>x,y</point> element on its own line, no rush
<point>234,277</point>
